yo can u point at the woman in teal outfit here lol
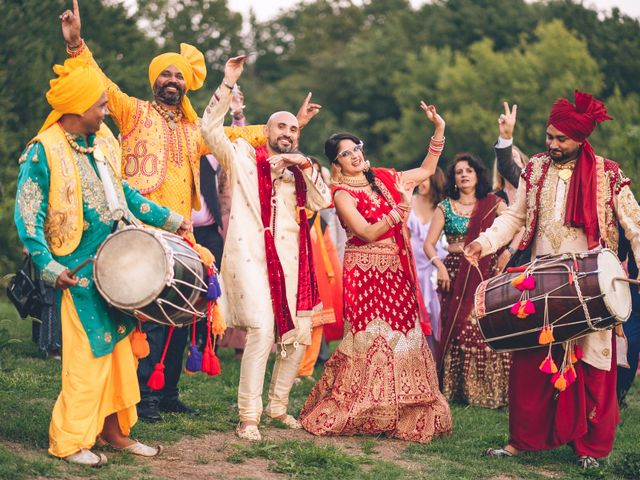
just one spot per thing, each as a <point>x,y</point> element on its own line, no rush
<point>471,372</point>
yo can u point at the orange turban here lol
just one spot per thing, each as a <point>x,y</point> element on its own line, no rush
<point>76,89</point>
<point>190,62</point>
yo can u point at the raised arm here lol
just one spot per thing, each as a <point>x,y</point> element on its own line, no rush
<point>418,175</point>
<point>121,106</point>
<point>212,127</point>
<point>504,146</point>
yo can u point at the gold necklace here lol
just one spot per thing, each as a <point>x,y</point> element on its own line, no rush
<point>171,117</point>
<point>465,204</point>
<point>72,141</point>
<point>354,181</point>
<point>565,170</point>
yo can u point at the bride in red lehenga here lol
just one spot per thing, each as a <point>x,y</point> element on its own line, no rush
<point>382,377</point>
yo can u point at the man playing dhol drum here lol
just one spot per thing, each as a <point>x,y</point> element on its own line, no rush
<point>267,267</point>
<point>69,193</point>
<point>569,200</point>
<point>161,150</point>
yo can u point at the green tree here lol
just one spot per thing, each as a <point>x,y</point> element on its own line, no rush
<point>469,91</point>
<point>32,43</point>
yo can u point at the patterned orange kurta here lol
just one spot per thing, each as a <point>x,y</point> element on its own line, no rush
<point>161,162</point>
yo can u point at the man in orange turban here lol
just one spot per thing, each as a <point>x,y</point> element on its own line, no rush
<point>76,154</point>
<point>569,200</point>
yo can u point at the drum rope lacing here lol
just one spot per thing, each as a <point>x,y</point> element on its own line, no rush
<point>575,275</point>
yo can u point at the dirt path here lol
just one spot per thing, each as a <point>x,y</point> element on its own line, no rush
<point>206,457</point>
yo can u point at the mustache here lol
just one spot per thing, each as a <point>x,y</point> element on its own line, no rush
<point>171,84</point>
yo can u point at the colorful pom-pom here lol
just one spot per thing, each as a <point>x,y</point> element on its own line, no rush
<point>548,365</point>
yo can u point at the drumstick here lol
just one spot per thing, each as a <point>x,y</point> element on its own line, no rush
<point>628,280</point>
<point>79,267</point>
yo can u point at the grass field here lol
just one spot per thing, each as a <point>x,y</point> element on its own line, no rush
<point>204,446</point>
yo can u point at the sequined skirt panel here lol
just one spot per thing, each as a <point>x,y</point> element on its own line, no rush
<point>382,377</point>
<point>473,373</point>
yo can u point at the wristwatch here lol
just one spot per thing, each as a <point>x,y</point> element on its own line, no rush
<point>511,250</point>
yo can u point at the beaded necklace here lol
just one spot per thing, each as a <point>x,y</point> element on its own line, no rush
<point>354,181</point>
<point>78,148</point>
<point>171,117</point>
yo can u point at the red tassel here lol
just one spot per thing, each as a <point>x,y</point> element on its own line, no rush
<point>548,365</point>
<point>156,380</point>
<point>577,349</point>
<point>529,307</point>
<point>529,283</point>
<point>519,269</point>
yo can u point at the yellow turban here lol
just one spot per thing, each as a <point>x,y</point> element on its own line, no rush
<point>76,89</point>
<point>190,62</point>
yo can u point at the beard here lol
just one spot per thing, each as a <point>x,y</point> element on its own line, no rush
<point>561,157</point>
<point>278,149</point>
<point>160,93</point>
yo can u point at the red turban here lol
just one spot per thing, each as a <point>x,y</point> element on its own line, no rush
<point>577,121</point>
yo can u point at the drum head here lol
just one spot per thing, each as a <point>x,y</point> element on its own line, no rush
<point>617,296</point>
<point>132,267</point>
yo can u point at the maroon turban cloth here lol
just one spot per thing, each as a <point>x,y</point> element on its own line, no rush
<point>577,121</point>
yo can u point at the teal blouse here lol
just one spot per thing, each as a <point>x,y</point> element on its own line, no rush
<point>104,326</point>
<point>454,224</point>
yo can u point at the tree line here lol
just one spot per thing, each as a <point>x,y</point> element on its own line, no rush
<point>368,65</point>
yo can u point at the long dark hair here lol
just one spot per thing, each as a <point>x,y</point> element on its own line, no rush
<point>436,186</point>
<point>331,147</point>
<point>483,188</point>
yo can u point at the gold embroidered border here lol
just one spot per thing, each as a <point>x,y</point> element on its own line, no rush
<point>381,256</point>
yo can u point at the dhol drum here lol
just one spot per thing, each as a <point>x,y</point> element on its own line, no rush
<point>152,275</point>
<point>574,294</point>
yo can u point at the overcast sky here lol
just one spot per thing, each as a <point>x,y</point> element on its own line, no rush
<point>266,9</point>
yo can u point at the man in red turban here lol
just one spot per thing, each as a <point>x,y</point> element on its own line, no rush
<point>569,200</point>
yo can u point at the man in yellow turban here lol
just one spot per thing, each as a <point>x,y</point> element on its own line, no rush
<point>68,188</point>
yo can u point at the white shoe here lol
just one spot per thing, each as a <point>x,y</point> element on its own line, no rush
<point>289,421</point>
<point>86,457</point>
<point>142,450</point>
<point>250,432</point>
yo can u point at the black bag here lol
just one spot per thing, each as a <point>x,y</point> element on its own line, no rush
<point>26,290</point>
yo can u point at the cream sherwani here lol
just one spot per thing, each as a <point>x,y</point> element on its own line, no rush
<point>552,236</point>
<point>246,299</point>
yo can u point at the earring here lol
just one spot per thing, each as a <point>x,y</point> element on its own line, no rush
<point>455,187</point>
<point>367,165</point>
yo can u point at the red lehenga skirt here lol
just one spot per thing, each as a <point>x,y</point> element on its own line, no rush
<point>382,377</point>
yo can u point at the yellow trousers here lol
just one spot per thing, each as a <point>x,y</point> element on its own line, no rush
<point>92,388</point>
<point>311,352</point>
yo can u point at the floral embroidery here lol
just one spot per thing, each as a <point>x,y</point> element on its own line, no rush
<point>93,194</point>
<point>107,337</point>
<point>51,272</point>
<point>84,282</point>
<point>145,208</point>
<point>29,202</point>
<point>380,256</point>
<point>554,229</point>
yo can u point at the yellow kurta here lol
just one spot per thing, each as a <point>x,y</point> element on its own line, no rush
<point>161,162</point>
